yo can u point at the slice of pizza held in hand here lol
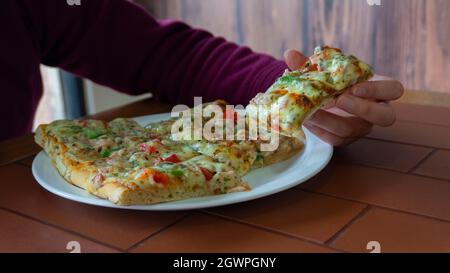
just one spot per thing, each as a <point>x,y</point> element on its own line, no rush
<point>298,94</point>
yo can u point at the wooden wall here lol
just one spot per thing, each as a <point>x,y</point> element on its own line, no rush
<point>406,39</point>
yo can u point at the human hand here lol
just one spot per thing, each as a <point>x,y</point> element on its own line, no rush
<point>355,112</point>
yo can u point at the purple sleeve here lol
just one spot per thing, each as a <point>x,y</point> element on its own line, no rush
<point>118,44</point>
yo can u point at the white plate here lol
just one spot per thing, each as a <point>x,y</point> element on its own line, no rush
<point>266,181</point>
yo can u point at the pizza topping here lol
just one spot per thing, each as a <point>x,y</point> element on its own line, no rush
<point>141,159</point>
<point>177,173</point>
<point>91,133</point>
<point>312,67</point>
<point>206,173</point>
<point>173,158</point>
<point>98,179</point>
<point>280,92</point>
<point>105,152</point>
<point>147,148</point>
<point>157,176</point>
<point>161,178</point>
<point>101,142</point>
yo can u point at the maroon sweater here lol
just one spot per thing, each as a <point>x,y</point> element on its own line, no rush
<point>118,44</point>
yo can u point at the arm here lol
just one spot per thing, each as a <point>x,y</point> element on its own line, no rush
<point>118,44</point>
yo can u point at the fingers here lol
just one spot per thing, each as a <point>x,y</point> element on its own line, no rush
<point>294,59</point>
<point>329,137</point>
<point>344,127</point>
<point>379,113</point>
<point>378,90</point>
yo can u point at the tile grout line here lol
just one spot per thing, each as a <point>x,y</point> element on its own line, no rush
<point>430,177</point>
<point>338,234</point>
<point>406,143</point>
<point>378,206</point>
<point>345,161</point>
<point>359,164</point>
<point>267,229</point>
<point>61,228</point>
<point>21,164</point>
<point>415,167</point>
<point>159,231</point>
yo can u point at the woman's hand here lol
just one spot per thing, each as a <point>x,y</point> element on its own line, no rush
<point>355,112</point>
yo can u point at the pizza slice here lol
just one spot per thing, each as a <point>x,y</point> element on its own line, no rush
<point>241,153</point>
<point>298,94</point>
<point>124,163</point>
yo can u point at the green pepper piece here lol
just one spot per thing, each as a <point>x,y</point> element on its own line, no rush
<point>91,133</point>
<point>105,152</point>
<point>177,173</point>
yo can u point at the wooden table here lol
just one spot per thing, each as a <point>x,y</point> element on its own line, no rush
<point>392,187</point>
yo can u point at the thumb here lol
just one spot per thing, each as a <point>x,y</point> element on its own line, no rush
<point>294,59</point>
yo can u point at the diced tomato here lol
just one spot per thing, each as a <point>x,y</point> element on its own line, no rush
<point>172,158</point>
<point>161,178</point>
<point>158,177</point>
<point>207,173</point>
<point>312,67</point>
<point>147,148</point>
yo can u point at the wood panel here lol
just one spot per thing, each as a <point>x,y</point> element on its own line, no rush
<point>405,39</point>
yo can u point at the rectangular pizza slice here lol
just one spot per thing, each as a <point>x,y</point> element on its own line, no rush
<point>124,163</point>
<point>298,94</point>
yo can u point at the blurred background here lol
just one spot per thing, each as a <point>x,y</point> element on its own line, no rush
<point>405,39</point>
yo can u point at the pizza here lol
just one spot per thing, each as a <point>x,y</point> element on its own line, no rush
<point>298,94</point>
<point>130,164</point>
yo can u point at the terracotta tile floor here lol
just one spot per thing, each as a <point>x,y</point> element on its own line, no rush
<point>302,214</point>
<point>399,233</point>
<point>20,234</point>
<point>110,226</point>
<point>203,233</point>
<point>437,165</point>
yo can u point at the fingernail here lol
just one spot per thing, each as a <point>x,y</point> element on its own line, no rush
<point>359,91</point>
<point>345,102</point>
